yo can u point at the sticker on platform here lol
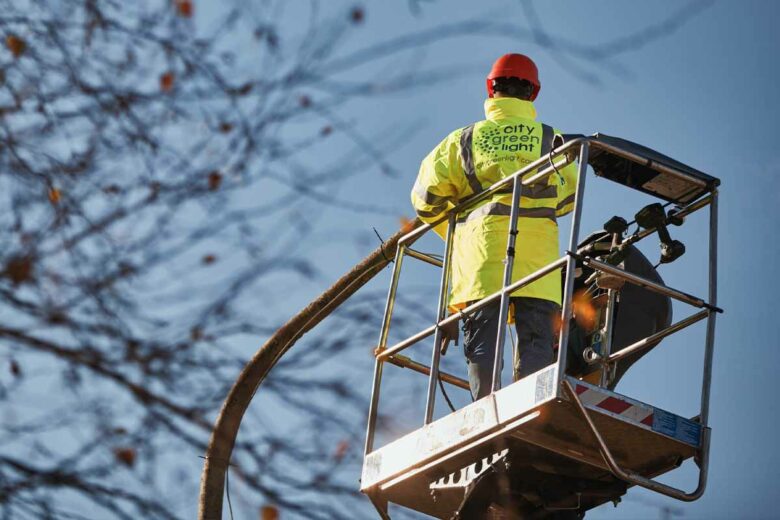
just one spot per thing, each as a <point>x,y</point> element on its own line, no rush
<point>689,431</point>
<point>544,385</point>
<point>676,427</point>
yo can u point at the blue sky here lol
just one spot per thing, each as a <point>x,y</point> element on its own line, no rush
<point>695,80</point>
<point>705,94</point>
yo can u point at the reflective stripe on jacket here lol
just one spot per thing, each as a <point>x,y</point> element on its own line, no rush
<point>470,160</point>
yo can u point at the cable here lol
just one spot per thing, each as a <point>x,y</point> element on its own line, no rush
<point>227,484</point>
<point>552,163</point>
<point>381,245</point>
<point>514,351</point>
<point>444,393</point>
<point>227,490</point>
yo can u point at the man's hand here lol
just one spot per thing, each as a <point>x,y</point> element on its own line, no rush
<point>449,332</point>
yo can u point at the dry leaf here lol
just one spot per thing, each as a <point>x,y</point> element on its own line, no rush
<point>584,311</point>
<point>184,8</point>
<point>166,81</point>
<point>54,196</point>
<point>19,269</point>
<point>341,449</point>
<point>357,15</point>
<point>196,333</point>
<point>269,513</point>
<point>215,179</point>
<point>125,455</point>
<point>16,45</point>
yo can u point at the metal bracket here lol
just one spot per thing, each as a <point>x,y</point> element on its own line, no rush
<point>634,478</point>
<point>380,505</point>
<point>575,508</point>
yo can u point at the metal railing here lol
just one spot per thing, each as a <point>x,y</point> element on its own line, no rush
<point>558,158</point>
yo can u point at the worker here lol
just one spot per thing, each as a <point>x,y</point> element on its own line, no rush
<point>465,163</point>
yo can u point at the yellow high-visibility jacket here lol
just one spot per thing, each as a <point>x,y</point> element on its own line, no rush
<point>473,158</point>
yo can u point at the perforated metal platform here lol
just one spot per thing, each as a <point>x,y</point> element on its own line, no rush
<point>544,437</point>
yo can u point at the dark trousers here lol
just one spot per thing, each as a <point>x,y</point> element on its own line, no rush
<point>534,320</point>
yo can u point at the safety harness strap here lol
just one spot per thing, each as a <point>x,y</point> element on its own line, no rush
<point>497,208</point>
<point>537,191</point>
<point>547,138</point>
<point>467,159</point>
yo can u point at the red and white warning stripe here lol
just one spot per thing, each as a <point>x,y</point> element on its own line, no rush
<point>630,410</point>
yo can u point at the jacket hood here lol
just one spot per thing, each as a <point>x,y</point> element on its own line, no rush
<point>504,108</point>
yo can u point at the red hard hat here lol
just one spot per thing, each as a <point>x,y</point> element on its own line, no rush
<point>514,66</point>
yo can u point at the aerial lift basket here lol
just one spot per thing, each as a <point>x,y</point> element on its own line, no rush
<point>551,445</point>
